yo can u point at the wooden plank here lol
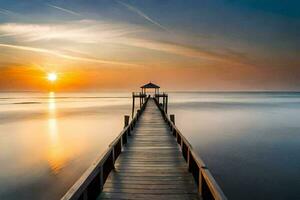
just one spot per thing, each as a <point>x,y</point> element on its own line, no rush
<point>152,182</point>
<point>138,190</point>
<point>122,195</point>
<point>147,186</point>
<point>151,165</point>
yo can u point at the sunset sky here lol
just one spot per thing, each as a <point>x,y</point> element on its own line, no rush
<point>179,44</point>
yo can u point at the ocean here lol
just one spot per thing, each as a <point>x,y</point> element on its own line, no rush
<point>249,140</point>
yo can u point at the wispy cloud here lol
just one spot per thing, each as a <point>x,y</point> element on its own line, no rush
<point>3,13</point>
<point>65,56</point>
<point>229,57</point>
<point>83,31</point>
<point>143,15</point>
<point>7,12</point>
<point>104,32</point>
<point>64,9</point>
<point>8,35</point>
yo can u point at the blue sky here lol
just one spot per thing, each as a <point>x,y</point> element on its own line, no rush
<point>231,44</point>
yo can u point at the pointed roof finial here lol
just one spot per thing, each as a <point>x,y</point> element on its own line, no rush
<point>150,85</point>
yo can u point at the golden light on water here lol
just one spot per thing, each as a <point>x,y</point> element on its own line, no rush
<point>51,103</point>
<point>57,156</point>
<point>60,149</point>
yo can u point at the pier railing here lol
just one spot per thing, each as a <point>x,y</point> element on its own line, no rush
<point>91,183</point>
<point>207,185</point>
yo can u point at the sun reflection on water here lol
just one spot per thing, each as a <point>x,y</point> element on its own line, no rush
<point>51,103</point>
<point>56,155</point>
<point>62,147</point>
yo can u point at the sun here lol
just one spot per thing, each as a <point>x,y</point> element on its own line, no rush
<point>52,76</point>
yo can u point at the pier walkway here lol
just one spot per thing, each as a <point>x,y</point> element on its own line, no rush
<point>149,159</point>
<point>151,165</point>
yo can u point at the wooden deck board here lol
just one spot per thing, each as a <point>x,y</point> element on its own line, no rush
<point>151,165</point>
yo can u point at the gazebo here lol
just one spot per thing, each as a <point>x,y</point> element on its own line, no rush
<point>142,96</point>
<point>150,86</point>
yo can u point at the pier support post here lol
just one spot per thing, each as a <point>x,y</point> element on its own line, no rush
<point>85,195</point>
<point>113,158</point>
<point>132,105</point>
<point>138,113</point>
<point>172,118</point>
<point>163,104</point>
<point>126,120</point>
<point>166,108</point>
<point>200,183</point>
<point>101,178</point>
<point>140,100</point>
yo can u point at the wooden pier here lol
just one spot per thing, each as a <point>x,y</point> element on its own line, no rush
<point>151,165</point>
<point>150,159</point>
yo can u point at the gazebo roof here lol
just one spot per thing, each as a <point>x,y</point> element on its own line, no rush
<point>150,85</point>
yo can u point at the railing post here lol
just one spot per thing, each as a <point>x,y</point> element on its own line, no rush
<point>124,138</point>
<point>164,101</point>
<point>121,141</point>
<point>166,108</point>
<point>138,113</point>
<point>174,132</point>
<point>203,187</point>
<point>101,178</point>
<point>200,179</point>
<point>85,194</point>
<point>188,157</point>
<point>133,104</point>
<point>131,126</point>
<point>126,120</point>
<point>128,131</point>
<point>113,158</point>
<point>172,118</point>
<point>140,100</point>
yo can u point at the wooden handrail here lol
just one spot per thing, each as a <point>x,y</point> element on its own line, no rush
<point>216,191</point>
<point>207,185</point>
<point>90,184</point>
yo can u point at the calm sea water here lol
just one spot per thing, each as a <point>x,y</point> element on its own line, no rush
<point>250,141</point>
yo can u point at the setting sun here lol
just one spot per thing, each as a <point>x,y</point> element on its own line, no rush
<point>52,77</point>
